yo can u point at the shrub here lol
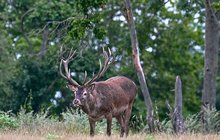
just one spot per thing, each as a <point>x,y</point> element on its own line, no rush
<point>36,123</point>
<point>211,122</point>
<point>193,123</point>
<point>7,121</point>
<point>77,121</point>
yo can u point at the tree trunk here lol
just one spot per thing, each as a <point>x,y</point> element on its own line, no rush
<point>137,65</point>
<point>177,119</point>
<point>44,43</point>
<point>211,56</point>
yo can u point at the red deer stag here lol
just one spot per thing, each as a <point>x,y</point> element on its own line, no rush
<point>104,99</point>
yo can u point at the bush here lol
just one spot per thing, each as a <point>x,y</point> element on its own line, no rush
<point>7,121</point>
<point>211,121</point>
<point>194,124</point>
<point>77,121</point>
<point>36,123</point>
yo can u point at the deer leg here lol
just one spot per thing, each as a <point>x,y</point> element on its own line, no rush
<point>121,122</point>
<point>126,119</point>
<point>109,124</point>
<point>92,127</point>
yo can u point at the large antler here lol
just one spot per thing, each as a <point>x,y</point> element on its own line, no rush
<point>103,68</point>
<point>65,62</point>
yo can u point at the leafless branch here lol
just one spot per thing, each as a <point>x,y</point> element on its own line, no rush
<point>23,31</point>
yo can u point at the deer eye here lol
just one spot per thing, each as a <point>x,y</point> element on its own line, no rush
<point>84,93</point>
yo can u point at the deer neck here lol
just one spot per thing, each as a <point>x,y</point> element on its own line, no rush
<point>89,106</point>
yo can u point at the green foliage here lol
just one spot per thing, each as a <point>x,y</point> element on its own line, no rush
<point>7,72</point>
<point>8,122</point>
<point>138,123</point>
<point>216,5</point>
<point>150,137</point>
<point>35,76</point>
<point>53,136</point>
<point>195,124</point>
<point>166,126</point>
<point>33,83</point>
<point>71,121</point>
<point>79,28</point>
<point>36,123</point>
<point>86,5</point>
<point>84,26</point>
<point>211,121</point>
<point>77,121</point>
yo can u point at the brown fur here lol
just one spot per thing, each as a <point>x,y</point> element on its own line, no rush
<point>106,99</point>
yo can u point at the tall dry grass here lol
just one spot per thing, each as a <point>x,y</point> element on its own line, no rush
<point>74,126</point>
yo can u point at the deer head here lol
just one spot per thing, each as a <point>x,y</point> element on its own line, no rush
<point>82,92</point>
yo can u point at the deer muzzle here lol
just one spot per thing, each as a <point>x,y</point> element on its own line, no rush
<point>76,102</point>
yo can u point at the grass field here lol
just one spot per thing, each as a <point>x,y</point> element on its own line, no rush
<point>74,126</point>
<point>17,136</point>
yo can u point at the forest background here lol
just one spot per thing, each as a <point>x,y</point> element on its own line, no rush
<point>171,38</point>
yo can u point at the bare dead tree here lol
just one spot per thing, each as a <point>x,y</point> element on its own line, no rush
<point>177,119</point>
<point>211,56</point>
<point>136,60</point>
<point>212,27</point>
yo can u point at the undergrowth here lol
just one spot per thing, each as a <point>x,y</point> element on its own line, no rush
<point>8,121</point>
<point>75,121</point>
<point>71,121</point>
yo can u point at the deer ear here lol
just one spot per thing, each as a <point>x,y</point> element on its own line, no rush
<point>71,87</point>
<point>90,88</point>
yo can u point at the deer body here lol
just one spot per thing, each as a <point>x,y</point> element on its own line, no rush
<point>104,99</point>
<point>111,98</point>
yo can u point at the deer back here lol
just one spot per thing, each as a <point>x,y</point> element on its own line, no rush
<point>112,95</point>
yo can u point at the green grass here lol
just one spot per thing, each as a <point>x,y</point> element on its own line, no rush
<point>76,122</point>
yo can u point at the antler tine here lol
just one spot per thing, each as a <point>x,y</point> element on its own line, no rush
<point>103,68</point>
<point>72,56</point>
<point>65,63</point>
<point>109,52</point>
<point>107,61</point>
<point>61,73</point>
<point>62,52</point>
<point>85,77</point>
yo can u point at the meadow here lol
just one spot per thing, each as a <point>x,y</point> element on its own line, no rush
<point>74,126</point>
<point>62,136</point>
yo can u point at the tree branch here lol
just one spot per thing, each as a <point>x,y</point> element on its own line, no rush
<point>23,31</point>
<point>213,12</point>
